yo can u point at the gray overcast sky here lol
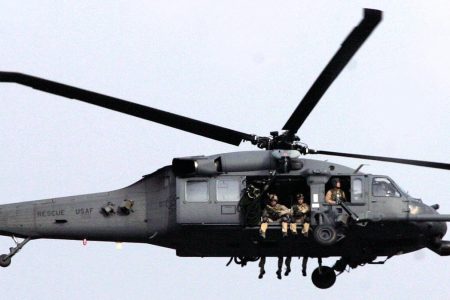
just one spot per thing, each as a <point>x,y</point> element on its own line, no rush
<point>239,64</point>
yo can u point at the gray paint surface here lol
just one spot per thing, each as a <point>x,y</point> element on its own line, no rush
<point>245,69</point>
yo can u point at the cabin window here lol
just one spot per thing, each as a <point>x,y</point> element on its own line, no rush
<point>197,191</point>
<point>228,190</point>
<point>383,187</point>
<point>357,190</point>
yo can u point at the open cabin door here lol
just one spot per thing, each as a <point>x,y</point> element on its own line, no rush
<point>207,200</point>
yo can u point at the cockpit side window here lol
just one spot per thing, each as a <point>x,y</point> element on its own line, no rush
<point>383,187</point>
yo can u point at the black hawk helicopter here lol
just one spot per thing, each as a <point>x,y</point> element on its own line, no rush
<point>210,206</point>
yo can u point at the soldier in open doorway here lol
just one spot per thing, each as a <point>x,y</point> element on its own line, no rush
<point>335,194</point>
<point>300,215</point>
<point>274,212</point>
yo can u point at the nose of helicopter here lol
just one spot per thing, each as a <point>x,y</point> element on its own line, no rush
<point>435,238</point>
<point>440,229</point>
<point>433,230</point>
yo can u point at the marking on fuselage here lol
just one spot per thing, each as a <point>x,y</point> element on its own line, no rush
<point>315,197</point>
<point>84,211</point>
<point>315,203</point>
<point>50,213</point>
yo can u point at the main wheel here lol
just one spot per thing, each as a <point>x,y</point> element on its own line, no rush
<point>325,235</point>
<point>5,260</point>
<point>323,277</point>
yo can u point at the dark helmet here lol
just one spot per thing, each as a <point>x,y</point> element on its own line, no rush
<point>273,197</point>
<point>299,195</point>
<point>334,182</point>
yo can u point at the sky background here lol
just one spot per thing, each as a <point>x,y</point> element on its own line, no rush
<point>239,64</point>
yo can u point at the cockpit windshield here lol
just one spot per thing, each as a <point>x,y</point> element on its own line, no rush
<point>383,187</point>
<point>402,190</point>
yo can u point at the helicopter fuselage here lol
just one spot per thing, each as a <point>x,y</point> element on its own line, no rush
<point>212,206</point>
<point>196,207</point>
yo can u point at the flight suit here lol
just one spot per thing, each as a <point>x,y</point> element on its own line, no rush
<point>274,213</point>
<point>300,215</point>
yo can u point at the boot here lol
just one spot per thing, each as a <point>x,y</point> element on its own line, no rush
<point>262,234</point>
<point>279,274</point>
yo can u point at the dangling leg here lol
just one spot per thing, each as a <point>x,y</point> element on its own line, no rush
<point>262,263</point>
<point>287,262</point>
<point>293,227</point>
<point>284,228</point>
<point>305,229</point>
<point>280,266</point>
<point>284,225</point>
<point>304,263</point>
<point>263,228</point>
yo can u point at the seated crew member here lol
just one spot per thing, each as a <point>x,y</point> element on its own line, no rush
<point>300,215</point>
<point>274,212</point>
<point>335,194</point>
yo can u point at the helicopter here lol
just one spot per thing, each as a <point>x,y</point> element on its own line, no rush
<point>194,205</point>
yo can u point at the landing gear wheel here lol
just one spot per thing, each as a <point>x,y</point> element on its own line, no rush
<point>325,235</point>
<point>5,260</point>
<point>323,277</point>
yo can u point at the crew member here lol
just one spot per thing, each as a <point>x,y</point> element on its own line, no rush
<point>335,195</point>
<point>300,215</point>
<point>274,212</point>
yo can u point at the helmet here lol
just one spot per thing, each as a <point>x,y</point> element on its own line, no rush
<point>334,182</point>
<point>273,197</point>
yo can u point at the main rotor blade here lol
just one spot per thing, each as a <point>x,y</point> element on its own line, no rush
<point>421,163</point>
<point>348,48</point>
<point>138,110</point>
